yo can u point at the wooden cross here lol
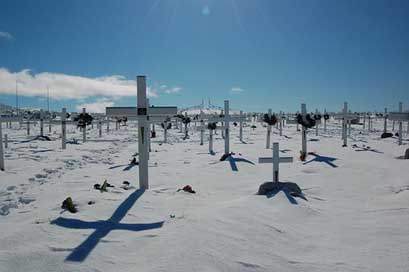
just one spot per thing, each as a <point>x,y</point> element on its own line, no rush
<point>275,160</point>
<point>144,115</point>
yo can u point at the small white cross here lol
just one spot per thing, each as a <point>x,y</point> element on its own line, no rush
<point>276,160</point>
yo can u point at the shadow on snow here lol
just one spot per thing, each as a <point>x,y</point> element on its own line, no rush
<point>102,228</point>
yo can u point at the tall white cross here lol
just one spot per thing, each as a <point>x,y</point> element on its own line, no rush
<point>144,115</point>
<point>385,121</point>
<point>63,128</point>
<point>226,120</point>
<point>268,130</point>
<point>241,127</point>
<point>304,130</point>
<point>347,117</point>
<point>276,160</point>
<point>400,117</point>
<point>6,120</point>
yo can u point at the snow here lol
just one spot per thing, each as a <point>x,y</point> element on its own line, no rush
<point>356,217</point>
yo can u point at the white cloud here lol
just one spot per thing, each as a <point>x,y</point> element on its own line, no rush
<point>236,90</point>
<point>97,106</point>
<point>173,90</point>
<point>6,35</point>
<point>64,86</point>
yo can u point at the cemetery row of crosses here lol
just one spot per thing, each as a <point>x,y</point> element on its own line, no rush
<point>219,133</point>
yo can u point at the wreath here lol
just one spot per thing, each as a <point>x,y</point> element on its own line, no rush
<point>271,120</point>
<point>168,125</point>
<point>317,116</point>
<point>83,120</point>
<point>211,126</point>
<point>306,121</point>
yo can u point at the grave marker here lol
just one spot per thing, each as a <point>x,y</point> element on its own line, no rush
<point>241,127</point>
<point>7,120</point>
<point>400,117</point>
<point>63,128</point>
<point>41,123</point>
<point>275,160</point>
<point>144,114</point>
<point>385,121</point>
<point>226,125</point>
<point>268,130</point>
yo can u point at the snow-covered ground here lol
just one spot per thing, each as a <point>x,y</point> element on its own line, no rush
<point>355,218</point>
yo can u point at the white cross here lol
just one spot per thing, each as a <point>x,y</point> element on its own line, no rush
<point>304,130</point>
<point>226,120</point>
<point>385,121</point>
<point>144,115</point>
<point>400,117</point>
<point>5,120</point>
<point>268,130</point>
<point>276,160</point>
<point>347,117</point>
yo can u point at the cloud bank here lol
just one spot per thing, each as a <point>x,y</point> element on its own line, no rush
<point>6,35</point>
<point>64,86</point>
<point>236,90</point>
<point>97,106</point>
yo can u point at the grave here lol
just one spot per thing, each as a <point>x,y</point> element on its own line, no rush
<point>399,117</point>
<point>144,114</point>
<point>270,189</point>
<point>275,160</point>
<point>6,120</point>
<point>306,122</point>
<point>226,119</point>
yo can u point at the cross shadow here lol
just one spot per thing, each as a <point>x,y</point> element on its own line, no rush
<point>42,151</point>
<point>366,148</point>
<point>102,228</point>
<point>117,166</point>
<point>129,167</point>
<point>233,162</point>
<point>319,158</point>
<point>290,189</point>
<point>40,138</point>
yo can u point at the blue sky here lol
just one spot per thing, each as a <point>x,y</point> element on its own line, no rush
<point>259,54</point>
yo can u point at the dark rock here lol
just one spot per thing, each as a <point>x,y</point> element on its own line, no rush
<point>386,135</point>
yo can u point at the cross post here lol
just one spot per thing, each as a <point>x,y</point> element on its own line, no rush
<point>41,122</point>
<point>385,121</point>
<point>304,129</point>
<point>145,115</point>
<point>63,128</point>
<point>268,131</point>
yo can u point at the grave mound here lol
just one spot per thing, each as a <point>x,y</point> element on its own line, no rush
<point>271,187</point>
